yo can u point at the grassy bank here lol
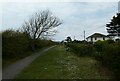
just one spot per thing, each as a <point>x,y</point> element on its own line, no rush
<point>57,63</point>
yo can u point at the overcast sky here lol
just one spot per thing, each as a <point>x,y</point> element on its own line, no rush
<point>76,16</point>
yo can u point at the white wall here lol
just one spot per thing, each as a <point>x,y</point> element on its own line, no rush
<point>89,39</point>
<point>107,38</point>
<point>98,38</point>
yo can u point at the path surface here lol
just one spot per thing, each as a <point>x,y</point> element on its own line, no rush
<point>11,71</point>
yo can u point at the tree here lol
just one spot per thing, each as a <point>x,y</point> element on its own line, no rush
<point>40,25</point>
<point>113,28</point>
<point>69,39</point>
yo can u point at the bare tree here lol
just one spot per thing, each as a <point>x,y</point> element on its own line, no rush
<point>41,24</point>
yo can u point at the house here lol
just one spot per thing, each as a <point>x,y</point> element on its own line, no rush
<point>97,36</point>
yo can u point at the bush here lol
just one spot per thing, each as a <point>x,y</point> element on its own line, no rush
<point>81,49</point>
<point>14,43</point>
<point>110,41</point>
<point>99,45</point>
<point>43,43</point>
<point>108,53</point>
<point>111,57</point>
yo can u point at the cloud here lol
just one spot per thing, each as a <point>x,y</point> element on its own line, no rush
<point>59,0</point>
<point>76,16</point>
<point>1,17</point>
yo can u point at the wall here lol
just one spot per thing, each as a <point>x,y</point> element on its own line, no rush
<point>98,38</point>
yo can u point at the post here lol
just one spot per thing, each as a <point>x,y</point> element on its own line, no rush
<point>119,7</point>
<point>74,37</point>
<point>84,35</point>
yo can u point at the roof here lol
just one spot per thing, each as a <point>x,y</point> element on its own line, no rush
<point>97,35</point>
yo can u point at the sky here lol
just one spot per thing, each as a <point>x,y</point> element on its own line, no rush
<point>76,16</point>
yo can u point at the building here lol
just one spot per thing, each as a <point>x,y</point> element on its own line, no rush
<point>97,36</point>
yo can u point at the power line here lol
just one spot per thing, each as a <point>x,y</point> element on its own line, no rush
<point>90,30</point>
<point>96,28</point>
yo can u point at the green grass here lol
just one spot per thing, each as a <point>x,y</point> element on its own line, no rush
<point>59,64</point>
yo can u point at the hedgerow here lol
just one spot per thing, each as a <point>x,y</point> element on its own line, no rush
<point>106,52</point>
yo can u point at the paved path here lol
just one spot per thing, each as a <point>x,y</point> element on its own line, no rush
<point>11,71</point>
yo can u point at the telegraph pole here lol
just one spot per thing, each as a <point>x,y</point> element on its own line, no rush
<point>74,37</point>
<point>119,7</point>
<point>84,35</point>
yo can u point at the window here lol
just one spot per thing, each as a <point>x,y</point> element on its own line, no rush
<point>95,38</point>
<point>103,38</point>
<point>91,39</point>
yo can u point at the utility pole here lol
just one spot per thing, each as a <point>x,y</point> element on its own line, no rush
<point>119,7</point>
<point>84,35</point>
<point>74,37</point>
